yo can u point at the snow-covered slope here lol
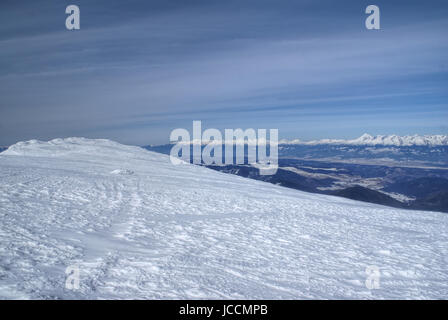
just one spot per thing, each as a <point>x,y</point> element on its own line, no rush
<point>139,227</point>
<point>386,140</point>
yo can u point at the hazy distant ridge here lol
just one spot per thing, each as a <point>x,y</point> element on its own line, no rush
<point>386,140</point>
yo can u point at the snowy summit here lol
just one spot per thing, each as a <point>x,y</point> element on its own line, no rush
<point>137,226</point>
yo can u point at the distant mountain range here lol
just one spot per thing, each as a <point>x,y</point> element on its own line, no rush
<point>385,140</point>
<point>364,140</point>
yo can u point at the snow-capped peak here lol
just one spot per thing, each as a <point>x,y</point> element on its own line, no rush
<point>365,137</point>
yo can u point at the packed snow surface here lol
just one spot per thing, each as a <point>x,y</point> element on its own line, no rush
<point>139,227</point>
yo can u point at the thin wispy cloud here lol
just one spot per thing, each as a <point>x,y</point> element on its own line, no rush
<point>134,72</point>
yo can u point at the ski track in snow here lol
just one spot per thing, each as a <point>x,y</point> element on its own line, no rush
<point>139,227</point>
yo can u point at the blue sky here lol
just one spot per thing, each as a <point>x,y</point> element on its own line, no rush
<point>138,69</point>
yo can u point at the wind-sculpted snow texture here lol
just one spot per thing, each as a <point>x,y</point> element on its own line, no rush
<point>139,227</point>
